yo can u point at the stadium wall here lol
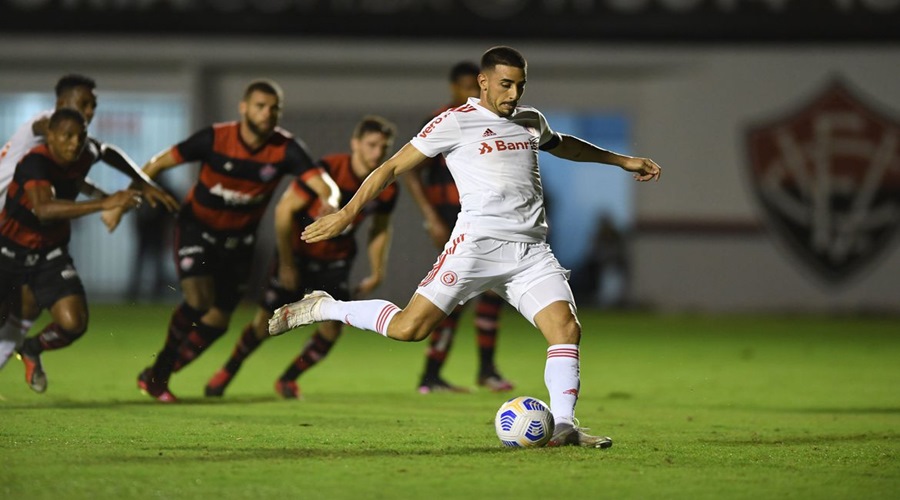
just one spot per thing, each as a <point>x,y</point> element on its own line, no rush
<point>702,240</point>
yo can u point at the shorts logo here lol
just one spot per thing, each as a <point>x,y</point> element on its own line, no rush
<point>825,176</point>
<point>449,278</point>
<point>186,263</point>
<point>69,273</point>
<point>190,250</point>
<point>267,172</point>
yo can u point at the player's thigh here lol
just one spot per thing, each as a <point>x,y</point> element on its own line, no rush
<point>537,281</point>
<point>53,279</point>
<point>463,270</point>
<point>199,291</point>
<point>231,276</point>
<point>27,305</point>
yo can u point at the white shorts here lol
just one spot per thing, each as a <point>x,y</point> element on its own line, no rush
<point>470,265</point>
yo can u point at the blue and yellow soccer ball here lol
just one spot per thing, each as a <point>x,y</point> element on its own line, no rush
<point>524,422</point>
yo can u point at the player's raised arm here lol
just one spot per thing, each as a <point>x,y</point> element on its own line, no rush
<point>332,225</point>
<point>576,149</point>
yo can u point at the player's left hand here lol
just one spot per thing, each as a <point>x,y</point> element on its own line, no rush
<point>326,227</point>
<point>644,169</point>
<point>154,195</point>
<point>366,286</point>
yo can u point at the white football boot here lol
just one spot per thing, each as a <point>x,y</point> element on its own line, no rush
<point>301,313</point>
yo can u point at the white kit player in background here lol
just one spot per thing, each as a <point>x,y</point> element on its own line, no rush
<point>74,92</point>
<point>499,243</point>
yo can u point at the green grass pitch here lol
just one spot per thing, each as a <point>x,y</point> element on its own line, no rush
<point>699,407</point>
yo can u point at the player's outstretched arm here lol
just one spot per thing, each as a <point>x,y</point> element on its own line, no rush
<point>575,149</point>
<point>332,225</point>
<point>47,208</point>
<point>154,194</point>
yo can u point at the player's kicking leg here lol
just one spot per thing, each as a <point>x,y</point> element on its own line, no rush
<point>411,324</point>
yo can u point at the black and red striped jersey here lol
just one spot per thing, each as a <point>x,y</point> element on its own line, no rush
<point>18,224</point>
<point>342,246</point>
<point>440,189</point>
<point>235,182</point>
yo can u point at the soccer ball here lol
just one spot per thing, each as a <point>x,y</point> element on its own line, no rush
<point>524,421</point>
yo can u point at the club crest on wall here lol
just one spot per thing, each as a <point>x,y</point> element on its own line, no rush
<point>827,176</point>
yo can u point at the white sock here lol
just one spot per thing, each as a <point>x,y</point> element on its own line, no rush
<point>563,379</point>
<point>373,315</point>
<point>12,333</point>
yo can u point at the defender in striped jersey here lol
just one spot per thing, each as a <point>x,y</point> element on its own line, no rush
<point>241,165</point>
<point>35,229</point>
<point>74,92</point>
<point>431,186</point>
<point>499,242</point>
<point>300,267</point>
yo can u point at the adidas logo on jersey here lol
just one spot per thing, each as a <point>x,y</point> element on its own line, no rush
<point>488,133</point>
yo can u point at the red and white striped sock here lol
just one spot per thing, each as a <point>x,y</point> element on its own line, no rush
<point>373,315</point>
<point>563,379</point>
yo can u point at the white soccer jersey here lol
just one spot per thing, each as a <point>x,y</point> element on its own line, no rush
<point>22,141</point>
<point>494,162</point>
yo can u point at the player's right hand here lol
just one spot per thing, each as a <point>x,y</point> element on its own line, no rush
<point>326,227</point>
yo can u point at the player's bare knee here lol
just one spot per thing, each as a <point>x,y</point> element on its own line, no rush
<point>74,324</point>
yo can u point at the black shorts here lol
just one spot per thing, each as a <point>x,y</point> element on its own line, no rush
<point>330,276</point>
<point>201,251</point>
<point>51,275</point>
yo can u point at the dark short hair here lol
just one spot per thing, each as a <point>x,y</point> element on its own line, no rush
<point>66,114</point>
<point>265,86</point>
<point>464,68</point>
<point>503,55</point>
<point>70,82</point>
<point>374,123</point>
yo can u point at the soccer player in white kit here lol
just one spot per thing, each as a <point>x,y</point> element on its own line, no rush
<point>74,92</point>
<point>499,243</point>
